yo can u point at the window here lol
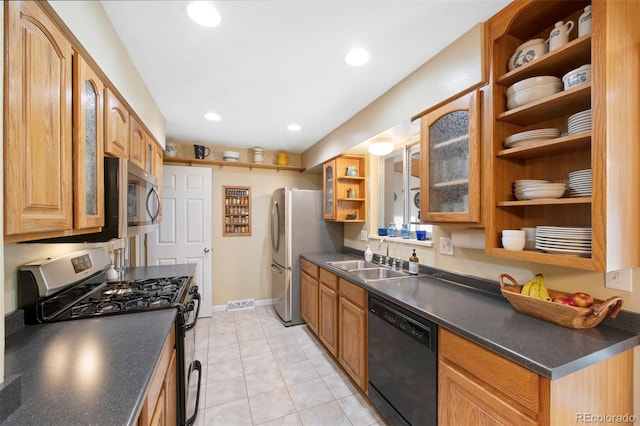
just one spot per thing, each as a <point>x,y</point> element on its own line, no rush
<point>399,191</point>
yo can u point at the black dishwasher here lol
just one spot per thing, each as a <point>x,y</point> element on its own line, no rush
<point>403,364</point>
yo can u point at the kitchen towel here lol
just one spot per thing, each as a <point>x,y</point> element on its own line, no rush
<point>468,238</point>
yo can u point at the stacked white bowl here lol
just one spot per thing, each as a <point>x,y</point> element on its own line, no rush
<point>534,189</point>
<point>532,89</point>
<point>513,239</point>
<point>230,156</point>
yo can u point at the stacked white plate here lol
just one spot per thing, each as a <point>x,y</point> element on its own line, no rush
<point>530,189</point>
<point>570,240</point>
<point>580,183</point>
<point>579,122</point>
<point>531,137</point>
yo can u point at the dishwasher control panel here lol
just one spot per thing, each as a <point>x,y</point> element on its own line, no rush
<point>420,329</point>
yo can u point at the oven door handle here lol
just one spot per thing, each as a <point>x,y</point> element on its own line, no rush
<point>153,215</point>
<point>189,307</point>
<point>196,366</point>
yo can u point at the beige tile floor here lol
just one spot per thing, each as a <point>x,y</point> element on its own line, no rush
<point>258,372</point>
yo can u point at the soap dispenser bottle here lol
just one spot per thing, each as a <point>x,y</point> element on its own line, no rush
<point>368,254</point>
<point>414,263</point>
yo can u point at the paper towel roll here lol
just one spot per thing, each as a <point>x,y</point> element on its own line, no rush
<point>468,238</point>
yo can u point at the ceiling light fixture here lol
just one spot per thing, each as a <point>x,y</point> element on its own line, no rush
<point>203,13</point>
<point>357,57</point>
<point>380,148</point>
<point>294,127</point>
<point>212,116</point>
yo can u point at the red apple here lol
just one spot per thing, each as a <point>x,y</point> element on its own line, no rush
<point>581,299</point>
<point>565,301</point>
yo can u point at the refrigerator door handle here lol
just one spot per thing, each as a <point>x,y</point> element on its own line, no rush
<point>275,268</point>
<point>275,226</point>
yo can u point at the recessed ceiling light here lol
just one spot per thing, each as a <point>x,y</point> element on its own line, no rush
<point>212,116</point>
<point>357,57</point>
<point>203,13</point>
<point>294,127</point>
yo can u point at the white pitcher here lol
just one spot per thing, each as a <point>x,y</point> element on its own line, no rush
<point>559,36</point>
<point>584,22</point>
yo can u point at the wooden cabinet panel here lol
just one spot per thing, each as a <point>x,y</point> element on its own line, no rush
<point>137,143</point>
<point>309,301</point>
<point>309,268</point>
<point>161,388</point>
<point>170,388</point>
<point>328,318</point>
<point>88,164</point>
<point>354,293</point>
<point>329,279</point>
<point>38,113</point>
<point>352,344</point>
<point>116,126</point>
<point>463,401</point>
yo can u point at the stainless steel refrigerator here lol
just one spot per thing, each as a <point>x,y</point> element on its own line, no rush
<point>296,227</point>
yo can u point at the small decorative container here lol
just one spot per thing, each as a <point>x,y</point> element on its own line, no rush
<point>404,231</point>
<point>392,231</point>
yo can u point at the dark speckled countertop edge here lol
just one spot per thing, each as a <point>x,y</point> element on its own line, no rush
<point>546,360</point>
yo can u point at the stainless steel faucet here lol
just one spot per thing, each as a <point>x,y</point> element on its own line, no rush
<point>383,260</point>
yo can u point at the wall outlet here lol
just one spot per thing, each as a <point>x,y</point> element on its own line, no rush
<point>620,280</point>
<point>364,236</point>
<point>445,246</point>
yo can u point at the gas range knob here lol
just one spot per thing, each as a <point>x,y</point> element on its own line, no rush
<point>193,290</point>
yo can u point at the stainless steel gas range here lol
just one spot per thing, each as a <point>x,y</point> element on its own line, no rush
<point>74,287</point>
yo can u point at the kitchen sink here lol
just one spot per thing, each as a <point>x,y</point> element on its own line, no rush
<point>377,273</point>
<point>348,265</point>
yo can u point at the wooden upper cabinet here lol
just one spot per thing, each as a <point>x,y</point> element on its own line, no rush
<point>608,147</point>
<point>137,143</point>
<point>450,166</point>
<point>344,189</point>
<point>88,166</point>
<point>117,126</point>
<point>38,123</point>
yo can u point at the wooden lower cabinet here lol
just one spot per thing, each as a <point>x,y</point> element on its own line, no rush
<point>328,311</point>
<point>352,332</point>
<point>309,294</point>
<point>336,311</point>
<point>477,386</point>
<point>160,405</point>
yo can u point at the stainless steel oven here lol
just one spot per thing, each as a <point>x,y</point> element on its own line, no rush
<point>74,287</point>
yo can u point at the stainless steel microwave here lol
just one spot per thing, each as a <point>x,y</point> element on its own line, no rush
<point>131,203</point>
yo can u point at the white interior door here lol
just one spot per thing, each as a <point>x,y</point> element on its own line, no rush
<point>184,235</point>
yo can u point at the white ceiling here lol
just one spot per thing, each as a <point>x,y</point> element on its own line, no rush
<point>275,62</point>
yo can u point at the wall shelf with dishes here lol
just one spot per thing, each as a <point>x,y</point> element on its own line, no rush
<point>571,90</point>
<point>236,210</point>
<point>344,189</point>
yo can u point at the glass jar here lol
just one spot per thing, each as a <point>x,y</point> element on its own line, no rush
<point>404,231</point>
<point>392,231</point>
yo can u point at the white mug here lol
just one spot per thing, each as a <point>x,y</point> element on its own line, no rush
<point>559,36</point>
<point>584,22</point>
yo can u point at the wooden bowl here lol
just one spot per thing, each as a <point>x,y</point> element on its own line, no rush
<point>565,315</point>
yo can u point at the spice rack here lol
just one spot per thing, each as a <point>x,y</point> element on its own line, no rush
<point>236,209</point>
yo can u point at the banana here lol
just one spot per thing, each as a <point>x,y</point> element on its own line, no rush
<point>535,288</point>
<point>544,293</point>
<point>526,289</point>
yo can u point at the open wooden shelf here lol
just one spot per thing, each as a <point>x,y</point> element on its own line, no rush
<point>193,161</point>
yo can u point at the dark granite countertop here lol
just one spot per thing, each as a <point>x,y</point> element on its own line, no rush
<point>89,371</point>
<point>489,320</point>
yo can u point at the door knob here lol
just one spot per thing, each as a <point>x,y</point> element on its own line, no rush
<point>206,250</point>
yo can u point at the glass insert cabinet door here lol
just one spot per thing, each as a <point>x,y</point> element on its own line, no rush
<point>88,148</point>
<point>329,196</point>
<point>451,161</point>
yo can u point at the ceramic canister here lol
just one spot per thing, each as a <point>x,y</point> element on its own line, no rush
<point>584,22</point>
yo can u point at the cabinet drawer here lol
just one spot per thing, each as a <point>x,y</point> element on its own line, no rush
<point>329,279</point>
<point>513,381</point>
<point>354,293</point>
<point>309,268</point>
